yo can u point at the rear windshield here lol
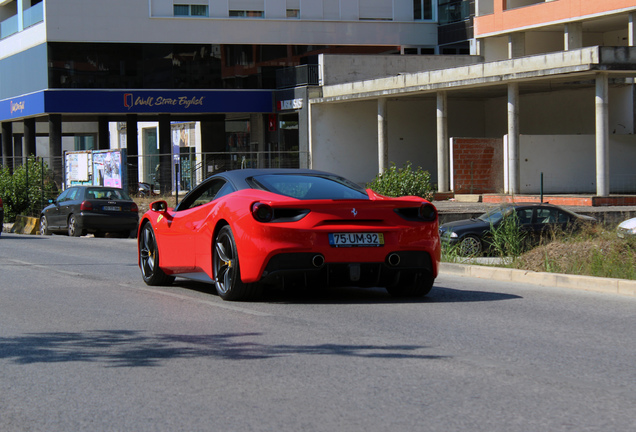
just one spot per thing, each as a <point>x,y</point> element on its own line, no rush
<point>309,187</point>
<point>106,193</point>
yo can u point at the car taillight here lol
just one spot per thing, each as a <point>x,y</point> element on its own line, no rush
<point>134,208</point>
<point>86,205</point>
<point>427,212</point>
<point>262,212</point>
<point>0,203</point>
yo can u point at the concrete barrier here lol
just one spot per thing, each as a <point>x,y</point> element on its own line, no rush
<point>26,225</point>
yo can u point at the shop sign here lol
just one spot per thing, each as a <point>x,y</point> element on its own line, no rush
<point>290,104</point>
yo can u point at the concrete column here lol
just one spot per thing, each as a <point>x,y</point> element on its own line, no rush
<point>132,148</point>
<point>602,134</point>
<point>514,176</point>
<point>55,149</point>
<point>383,136</point>
<point>631,31</point>
<point>29,137</point>
<point>166,182</point>
<point>516,45</point>
<point>18,152</point>
<point>258,136</point>
<point>213,142</point>
<point>573,36</point>
<point>103,135</point>
<point>443,168</point>
<point>7,145</point>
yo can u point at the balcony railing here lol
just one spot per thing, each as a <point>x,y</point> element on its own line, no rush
<point>9,27</point>
<point>297,76</point>
<point>31,16</point>
<point>34,15</point>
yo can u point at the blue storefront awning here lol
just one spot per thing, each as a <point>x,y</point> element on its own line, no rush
<point>136,102</point>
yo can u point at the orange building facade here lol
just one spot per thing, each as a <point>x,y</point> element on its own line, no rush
<point>502,16</point>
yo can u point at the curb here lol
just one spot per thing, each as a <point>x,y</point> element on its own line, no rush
<point>586,283</point>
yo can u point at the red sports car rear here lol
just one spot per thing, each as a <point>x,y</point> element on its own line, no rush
<point>245,229</point>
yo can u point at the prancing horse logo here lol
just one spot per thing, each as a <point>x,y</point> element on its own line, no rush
<point>354,212</point>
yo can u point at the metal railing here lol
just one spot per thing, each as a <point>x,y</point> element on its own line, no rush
<point>297,76</point>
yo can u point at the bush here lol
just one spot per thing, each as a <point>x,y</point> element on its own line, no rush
<point>20,198</point>
<point>404,181</point>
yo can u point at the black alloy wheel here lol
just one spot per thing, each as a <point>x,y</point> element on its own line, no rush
<point>227,272</point>
<point>149,259</point>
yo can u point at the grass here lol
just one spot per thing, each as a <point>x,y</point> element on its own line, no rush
<point>594,250</point>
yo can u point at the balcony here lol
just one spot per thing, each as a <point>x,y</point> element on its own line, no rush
<point>30,16</point>
<point>297,76</point>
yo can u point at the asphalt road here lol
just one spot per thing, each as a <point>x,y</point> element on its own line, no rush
<point>86,346</point>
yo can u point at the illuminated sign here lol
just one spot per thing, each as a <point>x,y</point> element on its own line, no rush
<point>290,104</point>
<point>130,101</point>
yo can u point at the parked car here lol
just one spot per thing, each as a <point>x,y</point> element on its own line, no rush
<point>626,228</point>
<point>90,209</point>
<point>472,236</point>
<point>243,229</point>
<point>1,216</point>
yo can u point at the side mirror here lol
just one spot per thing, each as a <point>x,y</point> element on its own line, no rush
<point>159,206</point>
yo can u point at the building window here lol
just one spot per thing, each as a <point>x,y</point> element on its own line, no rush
<point>423,9</point>
<point>293,13</point>
<point>246,14</point>
<point>190,10</point>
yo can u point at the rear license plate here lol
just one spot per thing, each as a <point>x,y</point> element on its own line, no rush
<point>356,239</point>
<point>111,208</point>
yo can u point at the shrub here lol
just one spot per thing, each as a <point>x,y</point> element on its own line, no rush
<point>20,198</point>
<point>404,181</point>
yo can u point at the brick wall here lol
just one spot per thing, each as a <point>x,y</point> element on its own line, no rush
<point>477,165</point>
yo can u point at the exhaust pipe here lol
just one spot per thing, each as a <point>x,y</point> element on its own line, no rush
<point>393,260</point>
<point>318,260</point>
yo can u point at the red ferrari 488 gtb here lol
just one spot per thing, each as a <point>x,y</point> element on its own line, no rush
<point>244,229</point>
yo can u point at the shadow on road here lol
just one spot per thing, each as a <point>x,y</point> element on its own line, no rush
<point>123,348</point>
<point>354,295</point>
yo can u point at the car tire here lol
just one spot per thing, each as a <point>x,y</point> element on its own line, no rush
<point>412,285</point>
<point>149,259</point>
<point>227,271</point>
<point>73,230</point>
<point>44,226</point>
<point>470,246</point>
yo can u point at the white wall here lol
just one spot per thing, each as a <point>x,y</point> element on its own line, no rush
<point>568,163</point>
<point>126,21</point>
<point>344,140</point>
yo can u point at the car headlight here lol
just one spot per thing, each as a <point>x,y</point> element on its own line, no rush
<point>453,235</point>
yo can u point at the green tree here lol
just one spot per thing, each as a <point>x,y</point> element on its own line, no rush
<point>22,190</point>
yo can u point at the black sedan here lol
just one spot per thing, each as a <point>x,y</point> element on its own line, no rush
<point>472,236</point>
<point>91,209</point>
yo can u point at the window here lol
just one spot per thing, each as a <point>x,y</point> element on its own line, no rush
<point>293,13</point>
<point>246,14</point>
<point>205,194</point>
<point>423,9</point>
<point>190,10</point>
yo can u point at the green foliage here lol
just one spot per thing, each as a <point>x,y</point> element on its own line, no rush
<point>507,239</point>
<point>404,181</point>
<point>20,198</point>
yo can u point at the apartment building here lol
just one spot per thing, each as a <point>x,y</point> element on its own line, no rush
<point>545,104</point>
<point>200,75</point>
